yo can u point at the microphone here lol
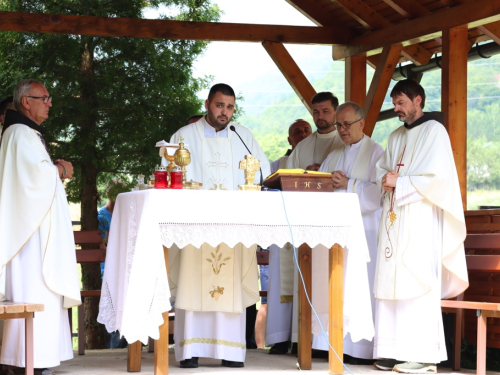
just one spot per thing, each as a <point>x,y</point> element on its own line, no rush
<point>261,178</point>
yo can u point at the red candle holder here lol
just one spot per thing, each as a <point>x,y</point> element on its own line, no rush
<point>176,179</point>
<point>161,178</point>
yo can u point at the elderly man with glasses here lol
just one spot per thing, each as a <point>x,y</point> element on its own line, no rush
<point>353,171</point>
<point>37,256</point>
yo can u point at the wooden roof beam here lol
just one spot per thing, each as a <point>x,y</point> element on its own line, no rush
<point>475,13</point>
<point>166,29</point>
<point>492,30</point>
<point>313,11</point>
<point>291,72</point>
<point>370,19</point>
<point>380,84</point>
<point>408,8</point>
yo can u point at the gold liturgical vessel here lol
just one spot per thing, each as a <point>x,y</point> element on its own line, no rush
<point>182,157</point>
<point>250,165</point>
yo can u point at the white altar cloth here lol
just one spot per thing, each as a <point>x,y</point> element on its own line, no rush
<point>135,290</point>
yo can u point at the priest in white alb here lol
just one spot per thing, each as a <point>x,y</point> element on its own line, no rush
<point>37,247</point>
<point>308,154</point>
<point>353,171</point>
<point>312,151</point>
<point>213,286</point>
<point>279,316</point>
<point>421,256</point>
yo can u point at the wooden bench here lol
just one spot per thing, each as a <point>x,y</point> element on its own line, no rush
<point>95,254</point>
<point>26,311</point>
<point>484,263</point>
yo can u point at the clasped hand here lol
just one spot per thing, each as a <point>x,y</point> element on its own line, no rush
<point>389,181</point>
<point>339,180</point>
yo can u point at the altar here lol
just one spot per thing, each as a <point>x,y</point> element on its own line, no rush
<point>135,291</point>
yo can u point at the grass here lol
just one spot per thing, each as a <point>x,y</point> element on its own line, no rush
<point>478,198</point>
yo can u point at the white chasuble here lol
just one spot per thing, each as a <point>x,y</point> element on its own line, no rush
<point>29,183</point>
<point>313,150</point>
<point>37,248</point>
<point>217,279</point>
<point>422,156</point>
<point>215,160</point>
<point>358,162</point>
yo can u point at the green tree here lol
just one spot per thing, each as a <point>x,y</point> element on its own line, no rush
<point>113,98</point>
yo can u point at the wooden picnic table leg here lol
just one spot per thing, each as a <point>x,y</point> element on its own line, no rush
<point>336,310</point>
<point>304,349</point>
<point>28,334</point>
<point>161,345</point>
<point>134,357</point>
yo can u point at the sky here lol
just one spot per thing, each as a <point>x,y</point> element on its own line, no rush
<point>235,63</point>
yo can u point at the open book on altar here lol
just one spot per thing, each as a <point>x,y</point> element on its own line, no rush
<point>299,180</point>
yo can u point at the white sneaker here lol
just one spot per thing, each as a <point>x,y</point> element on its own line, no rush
<point>416,368</point>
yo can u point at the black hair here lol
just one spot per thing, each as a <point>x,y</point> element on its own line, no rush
<point>223,89</point>
<point>411,89</point>
<point>323,97</point>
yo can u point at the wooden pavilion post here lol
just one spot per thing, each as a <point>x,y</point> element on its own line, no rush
<point>355,79</point>
<point>454,98</point>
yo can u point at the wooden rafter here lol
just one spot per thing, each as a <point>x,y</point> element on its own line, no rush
<point>475,13</point>
<point>291,71</point>
<point>166,29</point>
<point>492,30</point>
<point>311,10</point>
<point>408,8</point>
<point>371,19</point>
<point>379,85</point>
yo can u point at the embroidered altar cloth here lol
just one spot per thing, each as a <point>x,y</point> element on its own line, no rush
<point>135,290</point>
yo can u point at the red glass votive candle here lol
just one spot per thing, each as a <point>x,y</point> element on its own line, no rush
<point>161,178</point>
<point>176,179</point>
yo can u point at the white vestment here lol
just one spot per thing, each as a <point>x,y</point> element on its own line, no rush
<point>279,164</point>
<point>37,248</point>
<point>214,286</point>
<point>313,149</point>
<point>421,257</point>
<point>279,311</point>
<point>358,162</point>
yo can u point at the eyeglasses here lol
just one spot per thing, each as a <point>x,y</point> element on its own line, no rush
<point>346,125</point>
<point>46,99</point>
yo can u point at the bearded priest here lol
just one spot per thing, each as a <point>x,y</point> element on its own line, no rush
<point>421,255</point>
<point>210,310</point>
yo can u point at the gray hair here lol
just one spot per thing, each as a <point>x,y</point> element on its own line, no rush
<point>21,90</point>
<point>358,111</point>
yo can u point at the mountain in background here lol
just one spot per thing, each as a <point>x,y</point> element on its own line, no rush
<point>270,105</point>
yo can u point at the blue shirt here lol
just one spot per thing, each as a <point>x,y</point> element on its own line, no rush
<point>104,218</point>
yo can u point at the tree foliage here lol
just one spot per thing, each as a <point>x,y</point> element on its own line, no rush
<point>113,98</point>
